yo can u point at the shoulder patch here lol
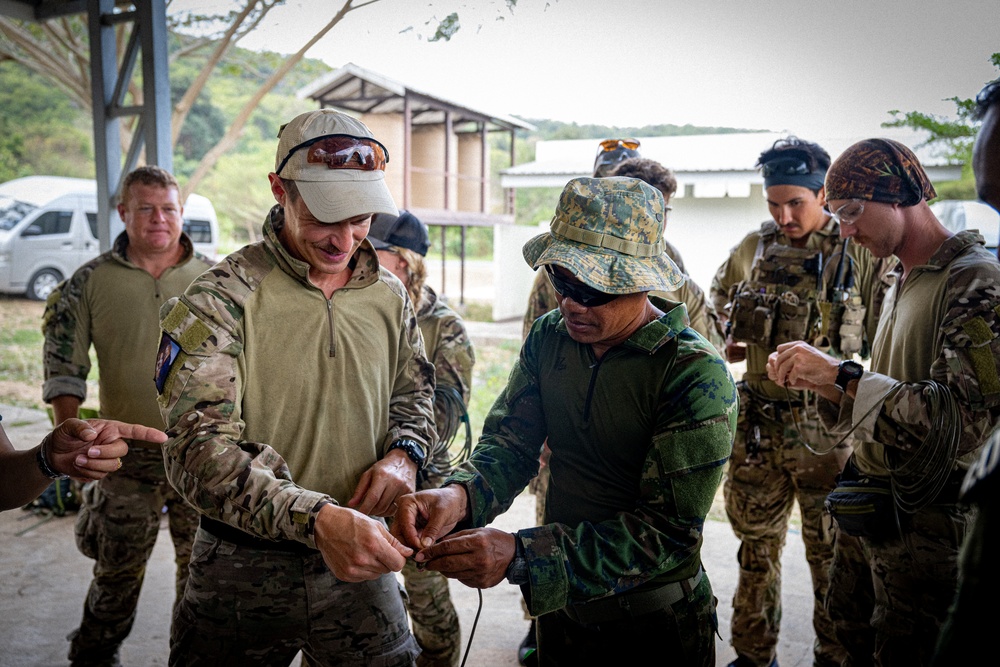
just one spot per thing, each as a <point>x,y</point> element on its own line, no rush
<point>165,358</point>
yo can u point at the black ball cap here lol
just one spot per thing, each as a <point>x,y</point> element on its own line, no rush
<point>402,231</point>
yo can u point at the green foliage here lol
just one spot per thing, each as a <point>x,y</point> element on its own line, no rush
<point>954,137</point>
<point>41,131</point>
<point>489,377</point>
<point>550,129</point>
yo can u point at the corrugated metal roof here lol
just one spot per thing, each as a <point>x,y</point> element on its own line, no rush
<point>716,164</point>
<point>361,90</point>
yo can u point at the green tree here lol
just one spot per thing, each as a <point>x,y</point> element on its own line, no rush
<point>953,136</point>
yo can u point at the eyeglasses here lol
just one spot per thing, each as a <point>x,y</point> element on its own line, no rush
<point>342,151</point>
<point>788,166</point>
<point>585,295</point>
<point>848,214</point>
<point>614,144</point>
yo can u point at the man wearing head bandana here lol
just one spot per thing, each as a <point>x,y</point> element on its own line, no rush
<point>920,415</point>
<point>790,280</point>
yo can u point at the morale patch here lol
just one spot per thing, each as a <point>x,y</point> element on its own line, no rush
<point>165,358</point>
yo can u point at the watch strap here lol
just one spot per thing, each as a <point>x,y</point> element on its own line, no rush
<point>412,449</point>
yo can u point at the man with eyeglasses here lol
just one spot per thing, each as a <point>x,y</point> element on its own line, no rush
<point>111,304</point>
<point>961,637</point>
<point>638,412</point>
<point>920,415</point>
<point>300,406</point>
<point>789,280</point>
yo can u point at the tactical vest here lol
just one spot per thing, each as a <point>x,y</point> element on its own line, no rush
<point>799,294</point>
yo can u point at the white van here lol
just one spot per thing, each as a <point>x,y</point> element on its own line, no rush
<point>48,228</point>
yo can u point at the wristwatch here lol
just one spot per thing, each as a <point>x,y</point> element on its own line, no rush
<point>849,370</point>
<point>517,571</point>
<point>412,449</point>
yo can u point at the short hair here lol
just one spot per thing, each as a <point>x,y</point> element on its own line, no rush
<point>649,171</point>
<point>814,155</point>
<point>148,175</point>
<point>291,189</point>
<point>987,97</point>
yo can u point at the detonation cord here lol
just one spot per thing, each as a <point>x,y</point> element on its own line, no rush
<point>472,633</point>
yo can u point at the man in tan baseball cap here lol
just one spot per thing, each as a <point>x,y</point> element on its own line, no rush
<point>300,403</point>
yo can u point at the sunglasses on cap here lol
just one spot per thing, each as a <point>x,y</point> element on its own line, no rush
<point>585,295</point>
<point>786,166</point>
<point>613,144</point>
<point>342,151</point>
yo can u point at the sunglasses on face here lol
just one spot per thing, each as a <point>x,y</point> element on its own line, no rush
<point>342,151</point>
<point>848,214</point>
<point>584,295</point>
<point>786,166</point>
<point>613,144</point>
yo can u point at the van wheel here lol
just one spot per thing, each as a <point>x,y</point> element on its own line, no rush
<point>42,284</point>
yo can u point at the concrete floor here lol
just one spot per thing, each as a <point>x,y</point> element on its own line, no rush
<point>43,581</point>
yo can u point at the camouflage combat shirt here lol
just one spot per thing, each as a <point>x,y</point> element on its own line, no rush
<point>450,349</point>
<point>113,305</point>
<point>279,398</point>
<point>942,325</point>
<point>638,438</point>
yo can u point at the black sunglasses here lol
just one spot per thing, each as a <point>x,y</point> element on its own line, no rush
<point>785,165</point>
<point>584,295</point>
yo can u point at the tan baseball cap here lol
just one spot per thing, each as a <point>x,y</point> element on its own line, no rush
<point>336,163</point>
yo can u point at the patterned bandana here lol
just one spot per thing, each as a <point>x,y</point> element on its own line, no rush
<point>879,170</point>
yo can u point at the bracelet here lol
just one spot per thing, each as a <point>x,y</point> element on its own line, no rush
<point>43,463</point>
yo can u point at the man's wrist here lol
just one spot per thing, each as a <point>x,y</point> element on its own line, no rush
<point>412,449</point>
<point>517,570</point>
<point>41,457</point>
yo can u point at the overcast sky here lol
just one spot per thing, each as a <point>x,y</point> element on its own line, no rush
<point>830,68</point>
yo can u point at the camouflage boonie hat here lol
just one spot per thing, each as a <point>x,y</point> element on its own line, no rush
<point>609,233</point>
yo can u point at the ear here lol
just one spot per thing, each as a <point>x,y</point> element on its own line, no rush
<point>821,196</point>
<point>277,188</point>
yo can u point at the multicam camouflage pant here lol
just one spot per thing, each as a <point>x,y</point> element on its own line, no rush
<point>766,475</point>
<point>117,526</point>
<point>682,634</point>
<point>888,599</point>
<point>245,606</point>
<point>435,621</point>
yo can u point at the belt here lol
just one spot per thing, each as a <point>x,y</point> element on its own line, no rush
<point>224,531</point>
<point>632,605</point>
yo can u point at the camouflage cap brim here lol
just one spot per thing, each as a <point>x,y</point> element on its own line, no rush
<point>605,270</point>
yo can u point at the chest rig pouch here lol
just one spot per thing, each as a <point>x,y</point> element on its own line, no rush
<point>842,313</point>
<point>777,304</point>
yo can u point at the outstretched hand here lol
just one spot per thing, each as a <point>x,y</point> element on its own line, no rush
<point>356,547</point>
<point>478,558</point>
<point>91,449</point>
<point>425,516</point>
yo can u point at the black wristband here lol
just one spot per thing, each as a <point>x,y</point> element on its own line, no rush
<point>412,449</point>
<point>517,571</point>
<point>43,463</point>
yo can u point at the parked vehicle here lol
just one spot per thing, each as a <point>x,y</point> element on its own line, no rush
<point>961,214</point>
<point>48,228</point>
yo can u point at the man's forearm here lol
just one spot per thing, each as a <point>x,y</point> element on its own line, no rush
<point>65,407</point>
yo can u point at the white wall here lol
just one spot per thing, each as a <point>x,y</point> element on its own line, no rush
<point>703,229</point>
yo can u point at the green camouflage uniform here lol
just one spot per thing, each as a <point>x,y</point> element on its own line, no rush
<point>112,305</point>
<point>276,403</point>
<point>449,348</point>
<point>939,331</point>
<point>775,462</point>
<point>611,437</point>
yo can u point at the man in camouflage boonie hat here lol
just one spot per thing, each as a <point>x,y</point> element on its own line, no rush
<point>920,414</point>
<point>609,233</point>
<point>638,412</point>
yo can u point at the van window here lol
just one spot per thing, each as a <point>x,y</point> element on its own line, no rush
<point>13,212</point>
<point>50,223</point>
<point>92,222</point>
<point>200,231</point>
